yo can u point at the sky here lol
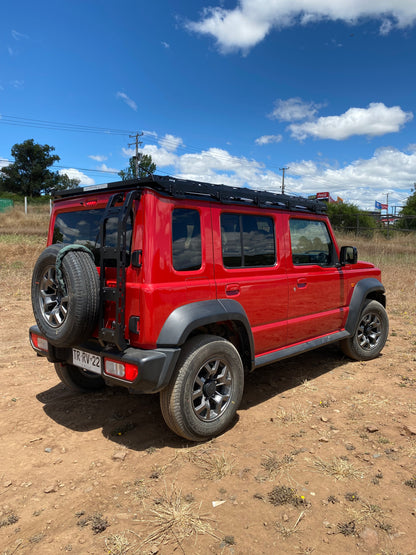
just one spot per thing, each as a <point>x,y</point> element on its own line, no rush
<point>223,91</point>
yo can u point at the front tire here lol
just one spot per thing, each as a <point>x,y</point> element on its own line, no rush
<point>370,335</point>
<point>206,390</point>
<point>77,379</point>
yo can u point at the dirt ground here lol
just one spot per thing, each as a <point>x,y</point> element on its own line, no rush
<point>322,458</point>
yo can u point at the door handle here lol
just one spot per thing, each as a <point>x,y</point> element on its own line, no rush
<point>302,283</point>
<point>232,289</point>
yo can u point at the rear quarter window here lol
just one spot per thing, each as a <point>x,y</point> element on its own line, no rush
<point>186,240</point>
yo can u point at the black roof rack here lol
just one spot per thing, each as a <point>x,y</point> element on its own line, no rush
<point>184,188</point>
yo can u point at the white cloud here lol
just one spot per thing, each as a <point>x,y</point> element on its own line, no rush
<point>98,157</point>
<point>250,21</point>
<point>3,161</point>
<point>294,109</point>
<point>268,139</point>
<point>105,168</point>
<point>72,173</point>
<point>170,142</point>
<point>165,44</point>
<point>130,103</point>
<point>18,36</point>
<point>160,156</point>
<point>376,120</point>
<point>361,182</point>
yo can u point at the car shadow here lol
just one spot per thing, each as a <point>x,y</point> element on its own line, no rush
<point>272,380</point>
<point>135,421</point>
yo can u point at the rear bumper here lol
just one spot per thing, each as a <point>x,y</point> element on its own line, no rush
<point>155,366</point>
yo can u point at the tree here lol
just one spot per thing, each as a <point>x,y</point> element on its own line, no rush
<point>66,182</point>
<point>345,216</point>
<point>29,174</point>
<point>408,213</point>
<point>146,167</point>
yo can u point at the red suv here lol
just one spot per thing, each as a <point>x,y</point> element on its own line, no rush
<point>180,287</point>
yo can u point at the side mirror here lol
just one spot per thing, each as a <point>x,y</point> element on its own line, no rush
<point>348,255</point>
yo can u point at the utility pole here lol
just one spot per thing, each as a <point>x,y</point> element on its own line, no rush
<point>137,156</point>
<point>283,179</point>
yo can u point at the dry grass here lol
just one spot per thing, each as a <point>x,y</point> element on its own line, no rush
<point>296,415</point>
<point>118,544</point>
<point>214,467</point>
<point>174,518</point>
<point>287,531</point>
<point>276,467</point>
<point>396,257</point>
<point>35,222</point>
<point>339,468</point>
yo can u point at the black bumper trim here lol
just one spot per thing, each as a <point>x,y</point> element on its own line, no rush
<point>155,366</point>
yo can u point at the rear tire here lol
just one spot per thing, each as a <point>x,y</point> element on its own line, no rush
<point>206,390</point>
<point>77,379</point>
<point>371,333</point>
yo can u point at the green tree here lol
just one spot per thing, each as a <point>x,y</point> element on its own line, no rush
<point>408,213</point>
<point>345,216</point>
<point>66,182</point>
<point>29,174</point>
<point>146,167</point>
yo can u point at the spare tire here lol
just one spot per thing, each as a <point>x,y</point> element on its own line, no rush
<point>66,309</point>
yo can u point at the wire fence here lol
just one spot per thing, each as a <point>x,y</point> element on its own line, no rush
<point>367,224</point>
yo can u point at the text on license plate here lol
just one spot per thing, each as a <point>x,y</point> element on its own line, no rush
<point>87,361</point>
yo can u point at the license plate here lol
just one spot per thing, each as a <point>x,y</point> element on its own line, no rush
<point>87,361</point>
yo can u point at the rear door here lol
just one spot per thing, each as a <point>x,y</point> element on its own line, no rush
<point>249,269</point>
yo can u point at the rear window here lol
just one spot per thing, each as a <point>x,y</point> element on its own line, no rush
<point>247,241</point>
<point>83,228</point>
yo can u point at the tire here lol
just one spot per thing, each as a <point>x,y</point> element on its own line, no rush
<point>371,333</point>
<point>65,319</point>
<point>77,379</point>
<point>206,390</point>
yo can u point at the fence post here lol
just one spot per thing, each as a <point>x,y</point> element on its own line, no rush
<point>26,206</point>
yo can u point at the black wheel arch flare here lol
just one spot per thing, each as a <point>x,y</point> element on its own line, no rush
<point>184,320</point>
<point>368,288</point>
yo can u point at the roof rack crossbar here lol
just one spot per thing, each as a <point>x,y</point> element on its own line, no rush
<point>187,189</point>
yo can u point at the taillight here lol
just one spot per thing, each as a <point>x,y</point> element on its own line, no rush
<point>39,342</point>
<point>122,370</point>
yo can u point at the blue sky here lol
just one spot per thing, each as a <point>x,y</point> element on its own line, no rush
<point>223,91</point>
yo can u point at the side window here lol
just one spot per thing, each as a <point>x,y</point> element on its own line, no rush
<point>186,240</point>
<point>311,243</point>
<point>247,241</point>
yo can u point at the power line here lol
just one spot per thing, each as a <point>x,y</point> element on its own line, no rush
<point>60,126</point>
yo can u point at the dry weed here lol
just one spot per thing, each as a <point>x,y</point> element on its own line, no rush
<point>339,468</point>
<point>119,544</point>
<point>276,467</point>
<point>368,513</point>
<point>214,467</point>
<point>297,415</point>
<point>287,531</point>
<point>174,518</point>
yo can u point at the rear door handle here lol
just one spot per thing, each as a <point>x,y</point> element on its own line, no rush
<point>302,283</point>
<point>232,289</point>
